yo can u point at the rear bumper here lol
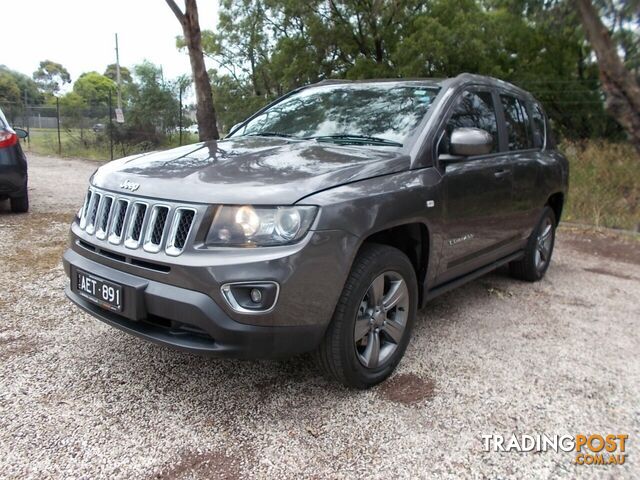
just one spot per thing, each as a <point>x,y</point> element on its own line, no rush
<point>12,183</point>
<point>13,171</point>
<point>186,319</point>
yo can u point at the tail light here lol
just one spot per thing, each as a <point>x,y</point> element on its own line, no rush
<point>7,138</point>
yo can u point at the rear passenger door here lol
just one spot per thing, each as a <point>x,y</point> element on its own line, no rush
<point>477,191</point>
<point>525,141</point>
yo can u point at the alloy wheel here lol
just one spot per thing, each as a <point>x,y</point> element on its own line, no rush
<point>381,320</point>
<point>544,243</point>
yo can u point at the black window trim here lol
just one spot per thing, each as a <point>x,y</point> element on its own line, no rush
<point>531,106</point>
<point>449,112</point>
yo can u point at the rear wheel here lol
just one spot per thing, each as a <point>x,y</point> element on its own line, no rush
<point>20,204</point>
<point>537,254</point>
<point>372,322</point>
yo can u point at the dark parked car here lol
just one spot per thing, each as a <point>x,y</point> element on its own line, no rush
<point>323,222</point>
<point>13,167</point>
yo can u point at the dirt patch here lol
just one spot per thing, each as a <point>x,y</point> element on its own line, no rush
<point>36,242</point>
<point>35,221</point>
<point>12,347</point>
<point>42,259</point>
<point>211,465</point>
<point>604,244</point>
<point>604,271</point>
<point>407,389</point>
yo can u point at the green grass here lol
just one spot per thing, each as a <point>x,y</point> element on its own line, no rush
<point>76,143</point>
<point>604,184</point>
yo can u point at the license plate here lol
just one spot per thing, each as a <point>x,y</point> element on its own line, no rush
<point>100,291</point>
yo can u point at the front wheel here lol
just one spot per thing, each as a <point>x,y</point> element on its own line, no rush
<point>537,254</point>
<point>371,326</point>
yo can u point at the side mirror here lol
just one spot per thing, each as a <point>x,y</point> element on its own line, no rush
<point>21,133</point>
<point>468,142</point>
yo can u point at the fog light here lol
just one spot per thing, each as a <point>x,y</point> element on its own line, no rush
<point>251,297</point>
<point>256,295</point>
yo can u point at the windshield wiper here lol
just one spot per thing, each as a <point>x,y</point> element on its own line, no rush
<point>358,138</point>
<point>269,134</point>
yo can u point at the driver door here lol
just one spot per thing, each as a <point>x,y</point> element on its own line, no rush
<point>477,191</point>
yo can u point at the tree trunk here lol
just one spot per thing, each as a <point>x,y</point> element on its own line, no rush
<point>205,111</point>
<point>620,85</point>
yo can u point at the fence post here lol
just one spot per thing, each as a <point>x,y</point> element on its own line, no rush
<point>26,109</point>
<point>180,116</point>
<point>110,126</point>
<point>58,122</point>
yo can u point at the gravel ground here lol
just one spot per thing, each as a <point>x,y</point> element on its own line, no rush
<point>79,399</point>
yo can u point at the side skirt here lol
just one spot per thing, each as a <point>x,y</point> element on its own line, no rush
<point>456,282</point>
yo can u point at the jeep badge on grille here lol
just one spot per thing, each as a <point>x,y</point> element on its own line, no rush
<point>129,185</point>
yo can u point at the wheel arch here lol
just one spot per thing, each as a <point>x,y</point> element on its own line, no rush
<point>556,203</point>
<point>411,238</point>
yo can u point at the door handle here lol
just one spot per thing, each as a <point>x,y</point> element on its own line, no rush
<point>502,173</point>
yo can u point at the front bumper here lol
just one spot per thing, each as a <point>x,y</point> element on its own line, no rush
<point>187,319</point>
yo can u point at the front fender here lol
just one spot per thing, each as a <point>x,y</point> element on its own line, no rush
<point>370,206</point>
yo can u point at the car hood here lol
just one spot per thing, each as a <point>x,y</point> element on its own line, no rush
<point>256,170</point>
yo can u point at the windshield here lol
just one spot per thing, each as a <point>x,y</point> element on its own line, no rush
<point>382,113</point>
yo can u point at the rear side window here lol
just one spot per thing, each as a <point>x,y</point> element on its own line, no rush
<point>539,126</point>
<point>475,110</point>
<point>517,122</point>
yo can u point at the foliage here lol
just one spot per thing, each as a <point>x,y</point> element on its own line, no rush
<point>94,88</point>
<point>153,105</point>
<point>9,89</point>
<point>10,79</point>
<point>603,190</point>
<point>125,73</point>
<point>72,108</point>
<point>263,48</point>
<point>51,76</point>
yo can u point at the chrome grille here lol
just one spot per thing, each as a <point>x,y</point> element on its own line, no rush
<point>180,228</point>
<point>117,223</point>
<point>104,213</point>
<point>137,224</point>
<point>94,204</point>
<point>157,224</point>
<point>85,209</point>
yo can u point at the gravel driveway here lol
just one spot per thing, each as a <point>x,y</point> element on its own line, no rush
<point>79,399</point>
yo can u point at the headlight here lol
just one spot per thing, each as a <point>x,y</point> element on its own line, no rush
<point>259,226</point>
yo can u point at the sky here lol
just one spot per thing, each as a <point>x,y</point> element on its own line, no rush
<point>79,34</point>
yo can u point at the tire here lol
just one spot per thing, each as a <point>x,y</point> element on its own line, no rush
<point>20,204</point>
<point>537,255</point>
<point>341,355</point>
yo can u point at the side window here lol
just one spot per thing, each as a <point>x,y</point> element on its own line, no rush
<point>539,126</point>
<point>517,123</point>
<point>476,110</point>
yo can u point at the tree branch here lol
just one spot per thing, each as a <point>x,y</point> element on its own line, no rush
<point>176,10</point>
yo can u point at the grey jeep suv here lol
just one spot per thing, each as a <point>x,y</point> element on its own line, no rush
<point>323,222</point>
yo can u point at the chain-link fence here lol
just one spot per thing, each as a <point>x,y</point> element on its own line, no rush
<point>99,132</point>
